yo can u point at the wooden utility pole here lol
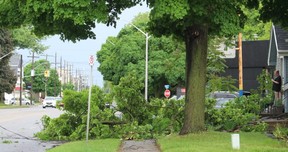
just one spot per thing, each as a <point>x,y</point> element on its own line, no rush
<point>240,64</point>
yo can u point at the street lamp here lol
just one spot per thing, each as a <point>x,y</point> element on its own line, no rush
<point>6,55</point>
<point>146,61</point>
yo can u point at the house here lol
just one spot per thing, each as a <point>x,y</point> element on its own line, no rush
<point>278,58</point>
<point>15,66</point>
<point>255,54</point>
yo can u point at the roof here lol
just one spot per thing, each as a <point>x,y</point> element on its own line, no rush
<point>281,38</point>
<point>278,44</point>
<point>255,54</point>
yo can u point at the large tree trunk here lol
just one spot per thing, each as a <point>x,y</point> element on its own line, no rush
<point>196,63</point>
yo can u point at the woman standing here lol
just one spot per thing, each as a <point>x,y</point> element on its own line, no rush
<point>277,83</point>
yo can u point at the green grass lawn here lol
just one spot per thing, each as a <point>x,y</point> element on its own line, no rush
<point>99,145</point>
<point>4,106</point>
<point>203,142</point>
<point>220,142</point>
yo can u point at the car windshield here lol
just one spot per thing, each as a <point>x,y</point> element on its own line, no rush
<point>49,98</point>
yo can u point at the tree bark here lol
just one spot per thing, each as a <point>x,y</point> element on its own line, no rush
<point>196,40</point>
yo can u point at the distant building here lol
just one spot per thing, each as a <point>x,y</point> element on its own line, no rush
<point>15,66</point>
<point>255,55</point>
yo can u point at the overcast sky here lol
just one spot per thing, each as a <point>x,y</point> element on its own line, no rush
<point>78,53</point>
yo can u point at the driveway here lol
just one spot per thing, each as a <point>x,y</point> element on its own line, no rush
<point>18,126</point>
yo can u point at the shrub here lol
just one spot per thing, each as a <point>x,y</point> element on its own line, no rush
<point>281,132</point>
<point>235,115</point>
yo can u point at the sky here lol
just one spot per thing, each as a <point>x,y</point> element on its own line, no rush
<point>78,53</point>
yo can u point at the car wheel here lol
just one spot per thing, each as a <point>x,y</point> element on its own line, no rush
<point>27,103</point>
<point>44,107</point>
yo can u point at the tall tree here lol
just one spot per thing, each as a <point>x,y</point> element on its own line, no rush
<point>166,58</point>
<point>192,22</point>
<point>273,10</point>
<point>7,76</point>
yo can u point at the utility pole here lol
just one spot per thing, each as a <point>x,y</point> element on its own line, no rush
<point>76,78</point>
<point>21,88</point>
<point>240,64</point>
<point>61,76</point>
<point>64,74</point>
<point>32,75</point>
<point>56,74</point>
<point>71,73</point>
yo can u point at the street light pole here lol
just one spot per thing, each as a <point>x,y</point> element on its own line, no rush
<point>6,55</point>
<point>146,61</point>
<point>146,68</point>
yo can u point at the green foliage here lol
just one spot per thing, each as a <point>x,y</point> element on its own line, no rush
<point>236,113</point>
<point>254,28</point>
<point>226,19</point>
<point>274,11</point>
<point>68,18</point>
<point>24,38</point>
<point>281,132</point>
<point>135,131</point>
<point>7,77</point>
<point>166,58</point>
<point>167,115</point>
<point>129,98</point>
<point>39,81</point>
<point>72,124</point>
<point>68,86</point>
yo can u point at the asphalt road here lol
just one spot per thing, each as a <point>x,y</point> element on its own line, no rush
<point>18,126</point>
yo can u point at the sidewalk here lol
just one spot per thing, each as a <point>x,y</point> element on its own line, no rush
<point>139,146</point>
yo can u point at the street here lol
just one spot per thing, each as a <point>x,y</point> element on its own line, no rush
<point>18,126</point>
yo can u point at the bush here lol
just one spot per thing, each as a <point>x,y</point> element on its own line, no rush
<point>167,115</point>
<point>281,132</point>
<point>235,115</point>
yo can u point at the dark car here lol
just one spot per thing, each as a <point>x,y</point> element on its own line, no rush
<point>222,97</point>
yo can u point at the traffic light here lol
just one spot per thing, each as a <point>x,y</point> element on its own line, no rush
<point>46,73</point>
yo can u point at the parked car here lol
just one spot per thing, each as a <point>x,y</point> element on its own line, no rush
<point>49,102</point>
<point>14,101</point>
<point>26,101</point>
<point>223,97</point>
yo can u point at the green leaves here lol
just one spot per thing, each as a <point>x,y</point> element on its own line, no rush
<point>72,19</point>
<point>175,9</point>
<point>52,82</point>
<point>7,76</point>
<point>24,38</point>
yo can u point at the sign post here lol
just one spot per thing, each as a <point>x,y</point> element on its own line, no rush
<point>167,93</point>
<point>91,62</point>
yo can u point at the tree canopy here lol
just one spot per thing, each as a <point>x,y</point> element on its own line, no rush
<point>24,38</point>
<point>72,20</point>
<point>166,58</point>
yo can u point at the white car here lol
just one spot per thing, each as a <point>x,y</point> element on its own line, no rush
<point>15,101</point>
<point>26,101</point>
<point>49,102</point>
